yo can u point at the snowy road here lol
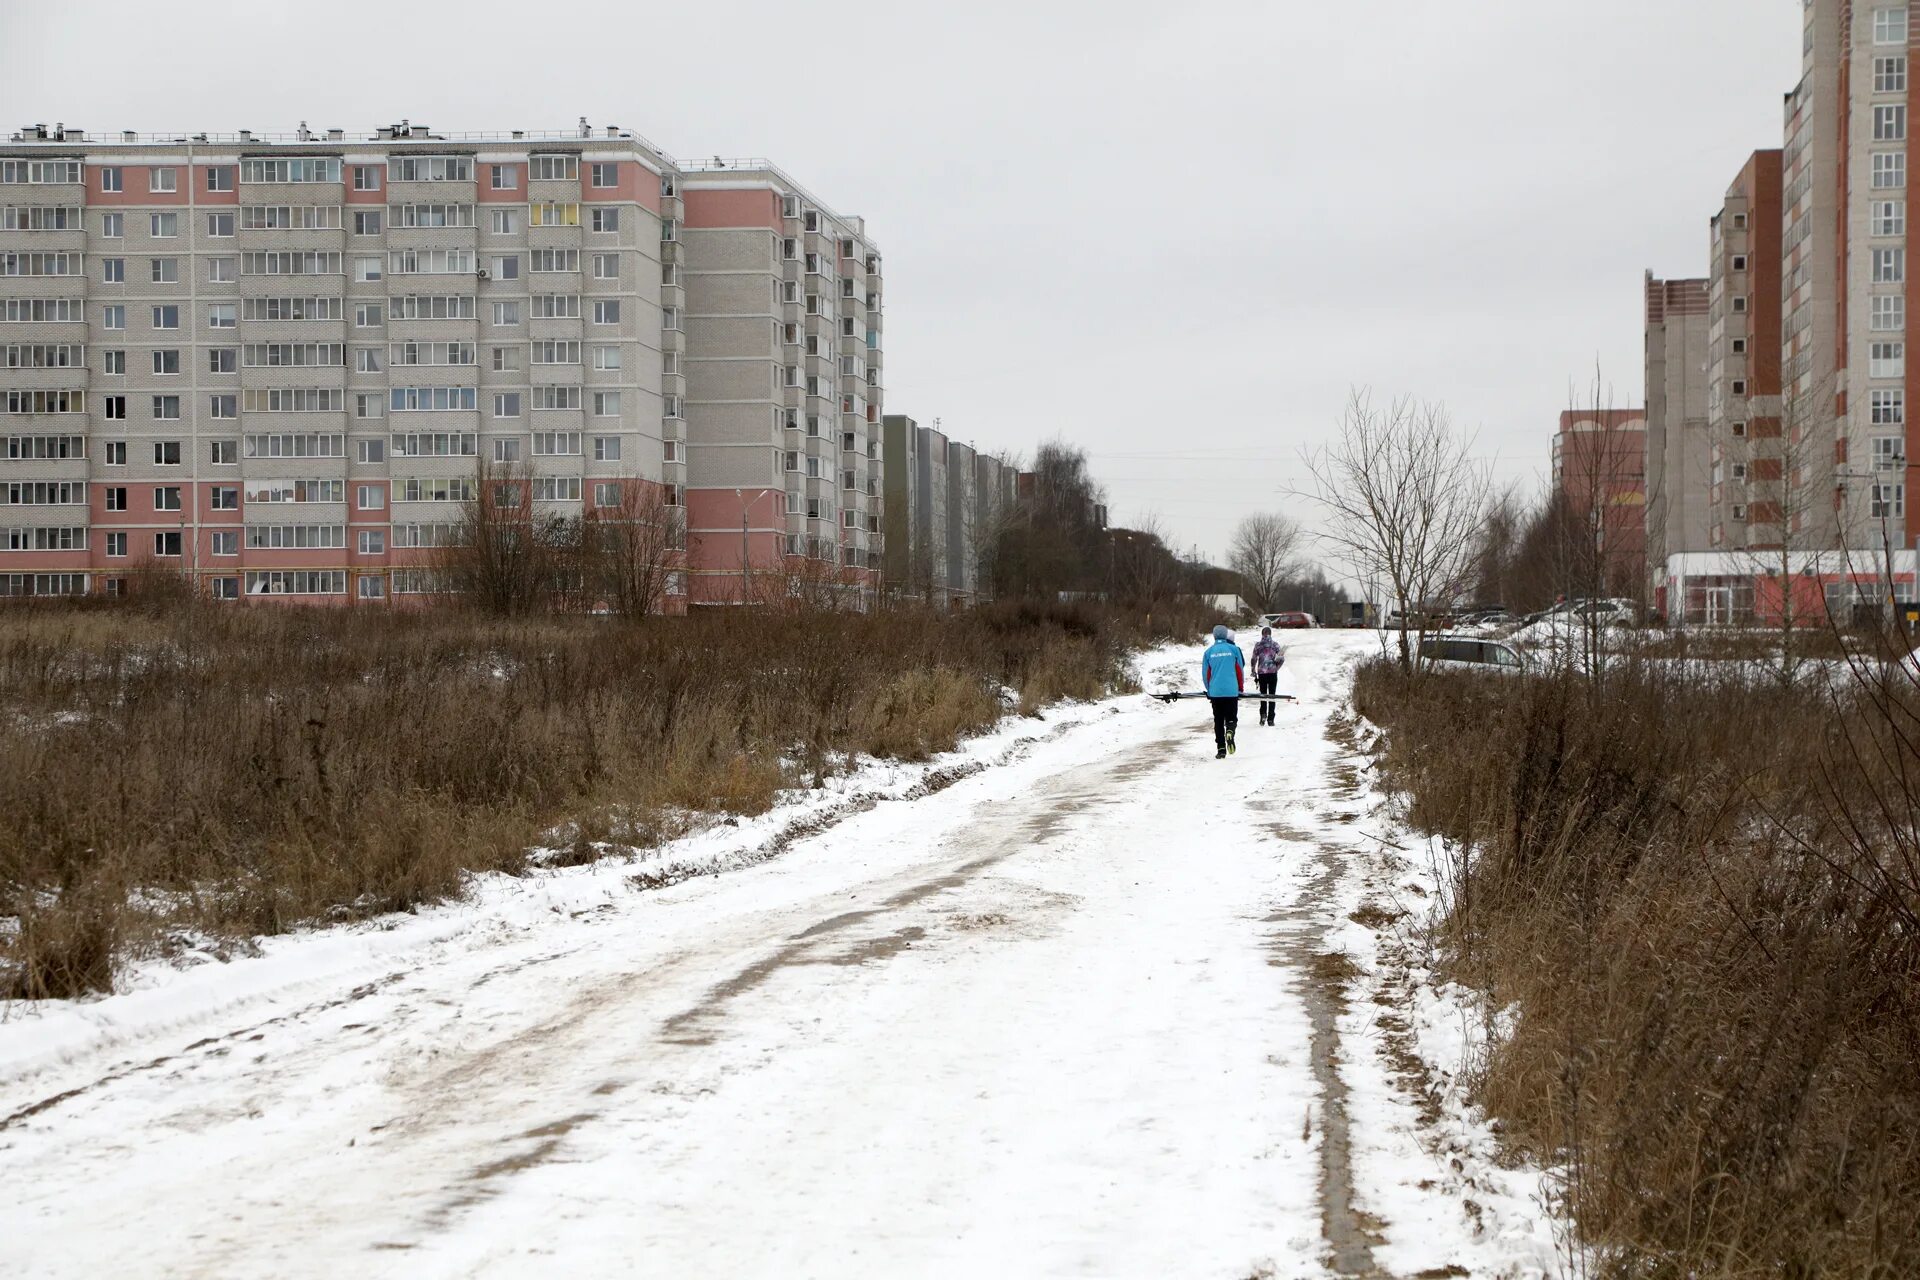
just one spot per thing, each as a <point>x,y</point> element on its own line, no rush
<point>1072,1015</point>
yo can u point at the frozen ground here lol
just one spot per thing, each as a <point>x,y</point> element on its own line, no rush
<point>1079,1000</point>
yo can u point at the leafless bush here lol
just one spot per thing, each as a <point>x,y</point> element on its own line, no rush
<point>1700,897</point>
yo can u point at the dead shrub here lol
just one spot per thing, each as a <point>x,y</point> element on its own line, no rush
<point>251,770</point>
<point>1699,895</point>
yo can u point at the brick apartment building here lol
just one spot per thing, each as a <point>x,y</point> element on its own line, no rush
<point>277,364</point>
<point>1675,487</point>
<point>1600,470</point>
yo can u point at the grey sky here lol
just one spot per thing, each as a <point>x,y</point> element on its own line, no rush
<point>1173,234</point>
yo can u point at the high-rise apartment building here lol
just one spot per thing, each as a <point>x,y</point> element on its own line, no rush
<point>1600,471</point>
<point>1745,503</point>
<point>916,514</point>
<point>1847,283</point>
<point>279,364</point>
<point>782,372</point>
<point>1679,446</point>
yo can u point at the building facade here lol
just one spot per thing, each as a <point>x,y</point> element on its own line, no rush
<point>1600,472</point>
<point>1679,443</point>
<point>280,365</point>
<point>1746,502</point>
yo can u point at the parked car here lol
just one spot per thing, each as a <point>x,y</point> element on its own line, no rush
<point>1470,653</point>
<point>1287,621</point>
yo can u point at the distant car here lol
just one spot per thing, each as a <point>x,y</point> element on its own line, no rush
<point>1470,653</point>
<point>1288,621</point>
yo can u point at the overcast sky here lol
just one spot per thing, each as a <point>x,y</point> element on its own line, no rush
<point>1172,234</point>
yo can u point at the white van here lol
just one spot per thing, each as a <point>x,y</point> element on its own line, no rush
<point>1471,653</point>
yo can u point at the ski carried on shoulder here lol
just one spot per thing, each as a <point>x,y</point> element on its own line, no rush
<point>1244,697</point>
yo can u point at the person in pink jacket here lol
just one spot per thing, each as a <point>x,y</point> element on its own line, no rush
<point>1268,658</point>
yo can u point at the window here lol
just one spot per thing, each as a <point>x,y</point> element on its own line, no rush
<point>113,317</point>
<point>112,178</point>
<point>1886,359</point>
<point>116,498</point>
<point>1739,263</point>
<point>223,360</point>
<point>227,543</point>
<point>220,225</point>
<point>421,399</point>
<point>606,448</point>
<point>606,266</point>
<point>1889,170</point>
<point>298,582</point>
<point>1889,313</point>
<point>605,220</point>
<point>223,270</point>
<point>227,406</point>
<point>1890,123</point>
<point>113,270</point>
<point>604,175</point>
<point>116,362</point>
<point>366,359</point>
<point>164,226</point>
<point>1889,453</point>
<point>556,488</point>
<point>506,222</point>
<point>367,315</point>
<point>367,223</point>
<point>166,317</point>
<point>606,404</point>
<point>166,498</point>
<point>606,357</point>
<point>1889,266</point>
<point>553,169</point>
<point>372,587</point>
<point>223,315</point>
<point>554,215</point>
<point>1889,217</point>
<point>1888,407</point>
<point>506,314</point>
<point>366,268</point>
<point>166,408</point>
<point>1890,25</point>
<point>370,497</point>
<point>505,359</point>
<point>606,312</point>
<point>117,542</point>
<point>429,169</point>
<point>1890,73</point>
<point>225,453</point>
<point>369,405</point>
<point>220,177</point>
<point>556,398</point>
<point>506,404</point>
<point>1887,502</point>
<point>506,449</point>
<point>166,362</point>
<point>114,407</point>
<point>556,443</point>
<point>1740,429</point>
<point>506,266</point>
<point>366,177</point>
<point>226,499</point>
<point>373,542</point>
<point>164,270</point>
<point>116,453</point>
<point>606,495</point>
<point>1739,349</point>
<point>113,226</point>
<point>163,179</point>
<point>371,450</point>
<point>547,260</point>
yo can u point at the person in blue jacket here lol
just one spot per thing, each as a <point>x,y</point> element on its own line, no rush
<point>1223,673</point>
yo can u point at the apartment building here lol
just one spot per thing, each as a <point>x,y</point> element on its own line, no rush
<point>1847,285</point>
<point>1679,443</point>
<point>1745,502</point>
<point>1600,470</point>
<point>782,374</point>
<point>916,517</point>
<point>278,364</point>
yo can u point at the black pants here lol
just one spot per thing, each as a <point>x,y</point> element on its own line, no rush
<point>1267,684</point>
<point>1226,718</point>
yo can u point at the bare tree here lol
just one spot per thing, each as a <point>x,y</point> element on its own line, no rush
<point>1403,499</point>
<point>1264,551</point>
<point>505,557</point>
<point>631,549</point>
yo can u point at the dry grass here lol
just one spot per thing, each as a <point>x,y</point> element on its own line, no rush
<point>245,771</point>
<point>1702,900</point>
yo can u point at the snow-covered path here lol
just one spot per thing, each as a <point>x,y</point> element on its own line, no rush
<point>1060,1018</point>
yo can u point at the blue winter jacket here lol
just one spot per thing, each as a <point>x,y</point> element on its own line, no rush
<point>1223,670</point>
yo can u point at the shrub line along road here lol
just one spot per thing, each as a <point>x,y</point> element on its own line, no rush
<point>1067,1016</point>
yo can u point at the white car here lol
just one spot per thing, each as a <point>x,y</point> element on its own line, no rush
<point>1471,653</point>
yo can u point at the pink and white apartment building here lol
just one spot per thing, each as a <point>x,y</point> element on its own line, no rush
<point>277,364</point>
